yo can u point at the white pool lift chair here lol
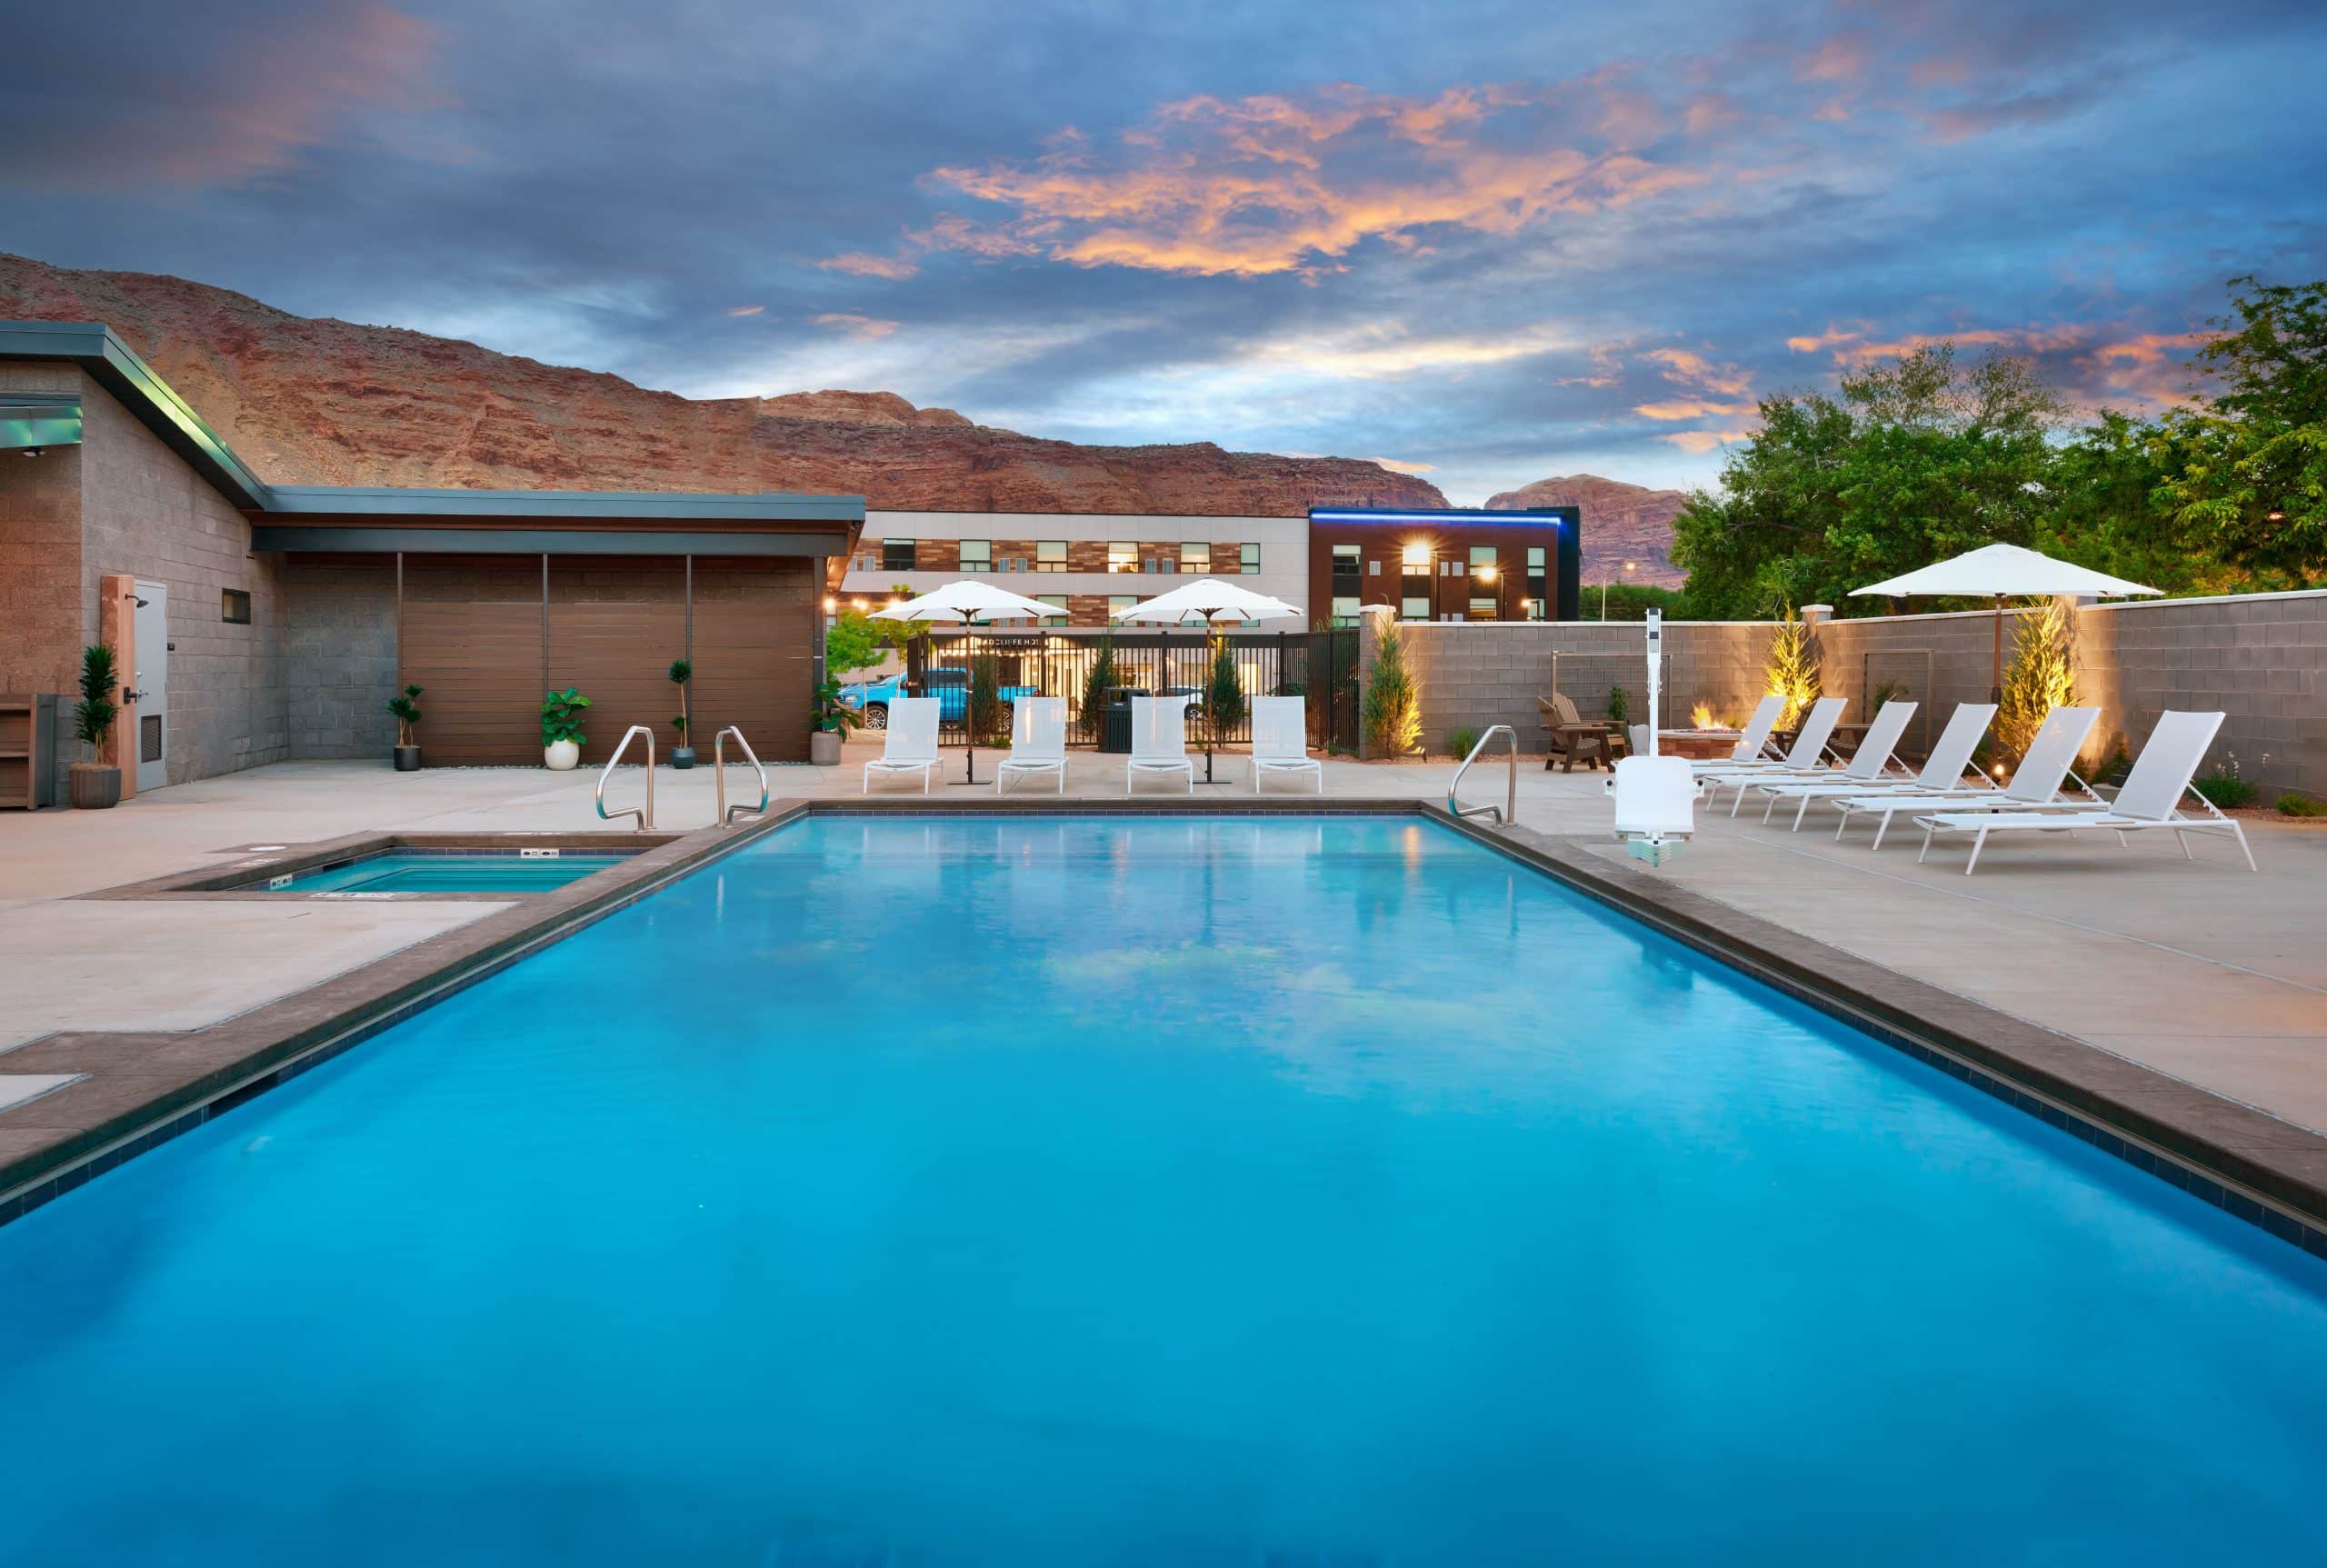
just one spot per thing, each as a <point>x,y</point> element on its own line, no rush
<point>2152,798</point>
<point>1037,742</point>
<point>1159,741</point>
<point>2035,787</point>
<point>1866,764</point>
<point>1280,741</point>
<point>1807,760</point>
<point>909,746</point>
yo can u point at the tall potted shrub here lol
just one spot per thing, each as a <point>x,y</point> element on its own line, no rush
<point>682,755</point>
<point>404,706</point>
<point>1224,696</point>
<point>1095,686</point>
<point>94,785</point>
<point>562,736</point>
<point>834,719</point>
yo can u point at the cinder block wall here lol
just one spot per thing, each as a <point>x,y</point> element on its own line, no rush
<point>144,511</point>
<point>339,647</point>
<point>2260,659</point>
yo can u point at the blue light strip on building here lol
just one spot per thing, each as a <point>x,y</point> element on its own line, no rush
<point>1432,517</point>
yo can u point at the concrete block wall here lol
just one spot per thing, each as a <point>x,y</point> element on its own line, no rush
<point>339,649</point>
<point>144,512</point>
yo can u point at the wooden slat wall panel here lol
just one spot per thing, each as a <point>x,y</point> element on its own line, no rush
<point>481,662</point>
<point>614,625</point>
<point>754,662</point>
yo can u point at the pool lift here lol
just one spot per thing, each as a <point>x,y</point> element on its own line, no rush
<point>1655,797</point>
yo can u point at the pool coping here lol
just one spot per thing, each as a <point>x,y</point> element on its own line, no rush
<point>138,1089</point>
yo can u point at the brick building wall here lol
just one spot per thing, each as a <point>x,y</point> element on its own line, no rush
<point>40,563</point>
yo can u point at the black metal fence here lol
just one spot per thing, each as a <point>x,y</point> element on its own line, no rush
<point>1320,666</point>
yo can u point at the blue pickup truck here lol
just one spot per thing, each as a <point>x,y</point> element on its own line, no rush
<point>949,685</point>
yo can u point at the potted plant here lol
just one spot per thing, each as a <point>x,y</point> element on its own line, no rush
<point>407,752</point>
<point>562,736</point>
<point>834,719</point>
<point>682,755</point>
<point>94,785</point>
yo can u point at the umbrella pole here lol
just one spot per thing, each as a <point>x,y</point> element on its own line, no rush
<point>1995,660</point>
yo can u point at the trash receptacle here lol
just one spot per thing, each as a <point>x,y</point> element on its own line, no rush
<point>1114,733</point>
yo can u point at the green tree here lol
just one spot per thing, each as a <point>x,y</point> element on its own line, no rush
<point>986,709</point>
<point>1792,671</point>
<point>853,641</point>
<point>1224,696</point>
<point>2249,470</point>
<point>1392,711</point>
<point>1095,688</point>
<point>2041,676</point>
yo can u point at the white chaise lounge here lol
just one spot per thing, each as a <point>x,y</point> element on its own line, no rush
<point>1866,764</point>
<point>1751,745</point>
<point>2035,787</point>
<point>1280,741</point>
<point>2152,798</point>
<point>1807,759</point>
<point>1947,772</point>
<point>1037,742</point>
<point>909,746</point>
<point>1159,741</point>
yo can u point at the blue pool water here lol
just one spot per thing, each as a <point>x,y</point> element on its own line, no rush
<point>1066,1192</point>
<point>399,871</point>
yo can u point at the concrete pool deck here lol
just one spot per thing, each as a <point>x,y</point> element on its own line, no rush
<point>2199,969</point>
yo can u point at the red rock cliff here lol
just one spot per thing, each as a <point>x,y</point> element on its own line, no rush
<point>1621,523</point>
<point>320,402</point>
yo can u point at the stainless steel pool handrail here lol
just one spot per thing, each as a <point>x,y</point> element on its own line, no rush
<point>719,770</point>
<point>645,818</point>
<point>1510,807</point>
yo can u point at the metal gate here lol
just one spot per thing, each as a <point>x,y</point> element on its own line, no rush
<point>1320,666</point>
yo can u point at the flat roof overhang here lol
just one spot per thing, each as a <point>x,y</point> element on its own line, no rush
<point>369,521</point>
<point>389,539</point>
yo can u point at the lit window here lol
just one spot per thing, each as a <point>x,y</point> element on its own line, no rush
<point>1122,556</point>
<point>1416,558</point>
<point>1050,555</point>
<point>1535,559</point>
<point>977,554</point>
<point>235,608</point>
<point>896,555</point>
<point>1196,556</point>
<point>1248,560</point>
<point>1481,555</point>
<point>1344,610</point>
<point>1415,609</point>
<point>1120,601</point>
<point>1482,609</point>
<point>1057,602</point>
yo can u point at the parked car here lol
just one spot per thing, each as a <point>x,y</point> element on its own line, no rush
<point>950,685</point>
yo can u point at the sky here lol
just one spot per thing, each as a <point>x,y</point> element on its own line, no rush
<point>1483,242</point>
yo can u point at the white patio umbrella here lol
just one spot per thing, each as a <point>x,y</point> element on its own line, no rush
<point>1211,602</point>
<point>964,602</point>
<point>2003,571</point>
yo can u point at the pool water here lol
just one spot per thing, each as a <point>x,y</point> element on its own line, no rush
<point>401,871</point>
<point>1285,1191</point>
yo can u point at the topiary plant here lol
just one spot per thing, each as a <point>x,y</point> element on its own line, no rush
<point>680,673</point>
<point>404,706</point>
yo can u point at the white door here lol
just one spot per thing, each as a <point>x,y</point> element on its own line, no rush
<point>151,682</point>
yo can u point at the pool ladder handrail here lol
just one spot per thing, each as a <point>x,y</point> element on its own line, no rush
<point>1509,810</point>
<point>646,817</point>
<point>727,813</point>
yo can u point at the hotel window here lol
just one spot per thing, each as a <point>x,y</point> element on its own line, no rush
<point>1050,555</point>
<point>1057,602</point>
<point>1248,560</point>
<point>1120,601</point>
<point>1122,556</point>
<point>235,608</point>
<point>1344,609</point>
<point>1157,564</point>
<point>1414,608</point>
<point>1346,568</point>
<point>1196,556</point>
<point>896,555</point>
<point>1538,586</point>
<point>1482,609</point>
<point>977,554</point>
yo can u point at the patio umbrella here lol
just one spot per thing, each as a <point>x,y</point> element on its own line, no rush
<point>1211,602</point>
<point>2002,571</point>
<point>962,603</point>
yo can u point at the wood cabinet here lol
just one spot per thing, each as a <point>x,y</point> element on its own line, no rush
<point>27,750</point>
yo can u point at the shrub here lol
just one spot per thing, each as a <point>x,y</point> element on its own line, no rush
<point>851,643</point>
<point>1094,689</point>
<point>94,715</point>
<point>1391,714</point>
<point>1619,705</point>
<point>2113,770</point>
<point>562,717</point>
<point>1224,699</point>
<point>2226,790</point>
<point>405,706</point>
<point>1459,739</point>
<point>2301,805</point>
<point>1793,670</point>
<point>2041,677</point>
<point>832,713</point>
<point>985,697</point>
<point>1884,691</point>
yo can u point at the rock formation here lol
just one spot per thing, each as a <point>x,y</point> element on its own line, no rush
<point>1621,523</point>
<point>320,402</point>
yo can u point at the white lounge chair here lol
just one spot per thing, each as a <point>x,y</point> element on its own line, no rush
<point>2152,798</point>
<point>1037,742</point>
<point>1947,772</point>
<point>909,746</point>
<point>1159,740</point>
<point>2035,787</point>
<point>1806,760</point>
<point>1280,741</point>
<point>1753,744</point>
<point>1866,764</point>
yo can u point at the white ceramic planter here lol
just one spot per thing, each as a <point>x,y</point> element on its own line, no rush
<point>560,756</point>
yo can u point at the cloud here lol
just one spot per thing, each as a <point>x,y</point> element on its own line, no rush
<point>1399,465</point>
<point>864,264</point>
<point>746,310</point>
<point>855,326</point>
<point>1255,186</point>
<point>1702,441</point>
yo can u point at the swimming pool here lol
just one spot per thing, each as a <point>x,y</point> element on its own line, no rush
<point>1142,1190</point>
<point>447,871</point>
